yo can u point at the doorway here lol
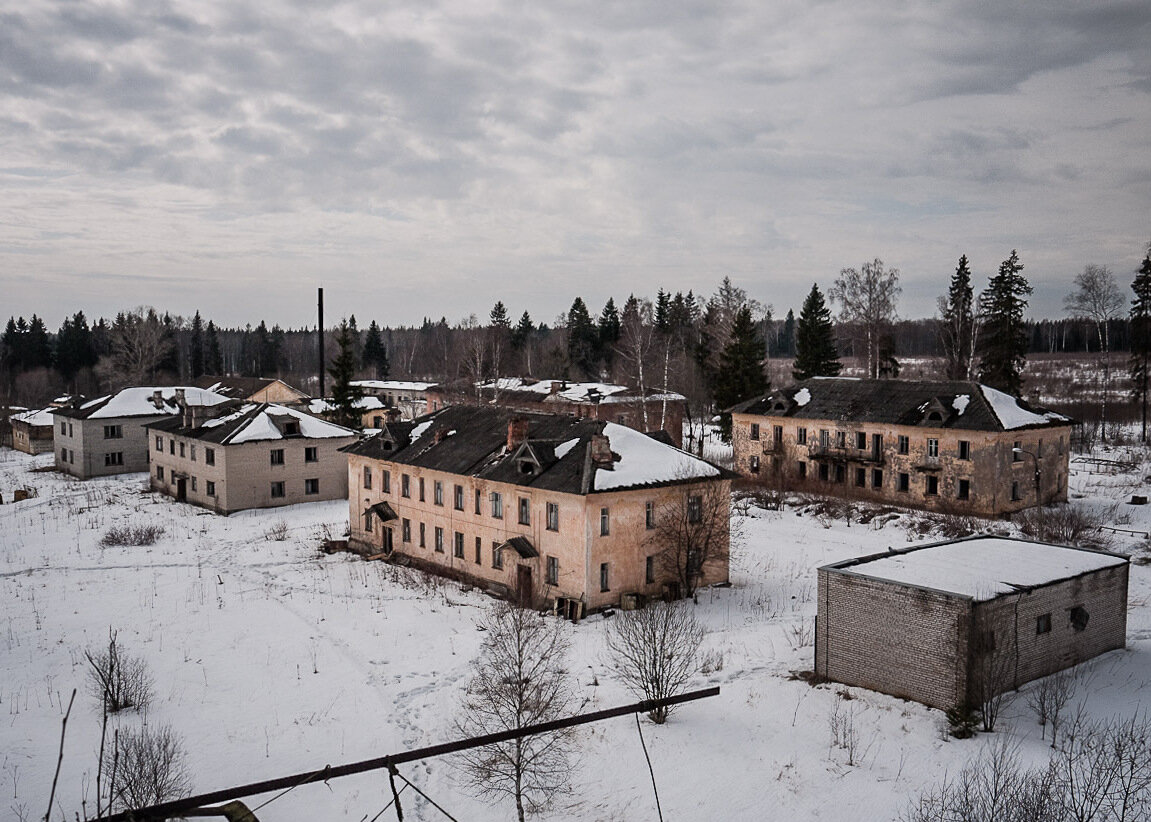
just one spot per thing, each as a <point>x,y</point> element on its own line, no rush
<point>524,586</point>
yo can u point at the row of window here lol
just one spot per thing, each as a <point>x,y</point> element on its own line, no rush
<point>209,486</point>
<point>524,513</point>
<point>65,428</point>
<point>861,477</point>
<point>186,450</point>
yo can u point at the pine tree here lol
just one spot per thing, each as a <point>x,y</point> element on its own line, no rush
<point>607,332</point>
<point>345,395</point>
<point>523,331</point>
<point>213,358</point>
<point>740,375</point>
<point>37,347</point>
<point>499,316</point>
<point>581,340</point>
<point>815,354</point>
<point>74,346</point>
<point>787,337</point>
<point>662,310</point>
<point>197,343</point>
<point>1141,337</point>
<point>957,329</point>
<point>1003,342</point>
<point>375,355</point>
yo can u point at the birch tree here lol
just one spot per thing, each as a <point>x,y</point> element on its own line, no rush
<point>867,298</point>
<point>1097,299</point>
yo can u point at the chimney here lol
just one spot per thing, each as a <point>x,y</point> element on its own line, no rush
<point>440,435</point>
<point>158,398</point>
<point>320,328</point>
<point>517,432</point>
<point>556,387</point>
<point>392,415</point>
<point>600,447</point>
<point>181,398</point>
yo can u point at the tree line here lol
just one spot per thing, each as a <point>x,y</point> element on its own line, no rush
<point>716,349</point>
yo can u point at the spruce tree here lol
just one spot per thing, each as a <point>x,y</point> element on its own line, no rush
<point>582,341</point>
<point>957,330</point>
<point>343,372</point>
<point>197,342</point>
<point>1003,341</point>
<point>662,310</point>
<point>375,355</point>
<point>787,337</point>
<point>740,374</point>
<point>499,316</point>
<point>75,349</point>
<point>523,331</point>
<point>213,358</point>
<point>1141,337</point>
<point>815,353</point>
<point>608,331</point>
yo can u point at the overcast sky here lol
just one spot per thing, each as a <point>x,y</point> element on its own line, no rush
<point>420,157</point>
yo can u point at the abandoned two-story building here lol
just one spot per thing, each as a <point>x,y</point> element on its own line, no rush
<point>641,410</point>
<point>257,455</point>
<point>951,446</point>
<point>106,435</point>
<point>539,507</point>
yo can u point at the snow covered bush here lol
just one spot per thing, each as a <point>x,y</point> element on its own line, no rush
<point>1070,524</point>
<point>132,535</point>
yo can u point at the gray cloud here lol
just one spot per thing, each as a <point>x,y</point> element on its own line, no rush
<point>412,148</point>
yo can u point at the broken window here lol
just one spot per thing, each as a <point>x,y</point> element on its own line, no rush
<point>904,444</point>
<point>1043,624</point>
<point>276,456</point>
<point>553,571</point>
<point>904,482</point>
<point>964,450</point>
<point>553,516</point>
<point>1079,618</point>
<point>754,432</point>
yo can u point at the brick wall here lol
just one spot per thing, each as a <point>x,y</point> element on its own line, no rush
<point>904,641</point>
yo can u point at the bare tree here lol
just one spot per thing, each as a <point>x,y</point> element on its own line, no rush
<point>475,353</point>
<point>1049,698</point>
<point>1097,299</point>
<point>993,673</point>
<point>635,346</point>
<point>117,680</point>
<point>867,299</point>
<point>655,651</point>
<point>151,768</point>
<point>141,343</point>
<point>693,531</point>
<point>519,679</point>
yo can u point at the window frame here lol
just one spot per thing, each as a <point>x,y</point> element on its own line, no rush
<point>552,571</point>
<point>277,490</point>
<point>311,486</point>
<point>605,521</point>
<point>552,516</point>
<point>276,456</point>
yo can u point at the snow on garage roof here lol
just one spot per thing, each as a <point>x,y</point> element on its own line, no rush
<point>981,568</point>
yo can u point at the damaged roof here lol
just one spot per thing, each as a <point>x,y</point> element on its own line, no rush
<point>255,422</point>
<point>938,404</point>
<point>555,452</point>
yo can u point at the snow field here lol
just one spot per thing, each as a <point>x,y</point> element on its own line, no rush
<point>270,658</point>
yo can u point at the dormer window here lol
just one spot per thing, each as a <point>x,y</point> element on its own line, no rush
<point>526,467</point>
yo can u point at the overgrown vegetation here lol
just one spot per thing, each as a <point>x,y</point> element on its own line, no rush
<point>131,535</point>
<point>1069,524</point>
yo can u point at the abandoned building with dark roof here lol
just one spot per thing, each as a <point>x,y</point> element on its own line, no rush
<point>541,507</point>
<point>951,446</point>
<point>646,411</point>
<point>249,456</point>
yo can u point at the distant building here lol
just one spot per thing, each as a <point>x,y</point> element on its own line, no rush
<point>948,446</point>
<point>253,389</point>
<point>408,397</point>
<point>642,411</point>
<point>944,624</point>
<point>540,507</point>
<point>32,431</point>
<point>106,435</point>
<point>256,456</point>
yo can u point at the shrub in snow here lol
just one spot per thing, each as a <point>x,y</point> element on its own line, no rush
<point>150,767</point>
<point>277,532</point>
<point>1066,525</point>
<point>655,651</point>
<point>118,681</point>
<point>132,535</point>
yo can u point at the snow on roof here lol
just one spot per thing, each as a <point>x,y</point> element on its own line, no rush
<point>137,402</point>
<point>960,403</point>
<point>983,567</point>
<point>562,449</point>
<point>262,427</point>
<point>644,461</point>
<point>802,397</point>
<point>38,419</point>
<point>575,391</point>
<point>418,430</point>
<point>393,385</point>
<point>1011,414</point>
<point>363,404</point>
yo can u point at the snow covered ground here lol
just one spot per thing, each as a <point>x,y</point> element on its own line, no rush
<point>270,658</point>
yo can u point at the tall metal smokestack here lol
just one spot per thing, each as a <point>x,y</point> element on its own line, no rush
<point>320,334</point>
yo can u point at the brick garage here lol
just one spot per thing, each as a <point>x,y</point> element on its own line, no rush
<point>929,623</point>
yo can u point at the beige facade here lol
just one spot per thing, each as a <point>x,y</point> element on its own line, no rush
<point>32,432</point>
<point>263,474</point>
<point>932,460</point>
<point>945,647</point>
<point>586,564</point>
<point>256,456</point>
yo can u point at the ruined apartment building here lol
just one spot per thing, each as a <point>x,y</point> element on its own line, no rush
<point>535,507</point>
<point>949,446</point>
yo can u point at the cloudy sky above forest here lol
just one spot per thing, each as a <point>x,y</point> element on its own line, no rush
<point>427,157</point>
